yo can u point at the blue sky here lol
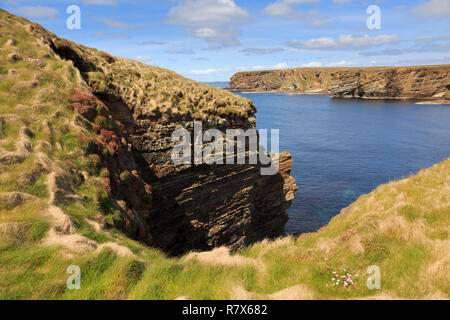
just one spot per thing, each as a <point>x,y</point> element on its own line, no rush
<point>210,40</point>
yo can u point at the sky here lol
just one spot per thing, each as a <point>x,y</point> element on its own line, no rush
<point>210,40</point>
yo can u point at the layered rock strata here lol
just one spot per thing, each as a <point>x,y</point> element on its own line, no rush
<point>406,83</point>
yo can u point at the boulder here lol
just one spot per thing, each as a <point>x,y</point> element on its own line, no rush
<point>10,200</point>
<point>14,232</point>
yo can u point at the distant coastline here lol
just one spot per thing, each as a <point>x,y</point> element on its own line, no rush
<point>421,84</point>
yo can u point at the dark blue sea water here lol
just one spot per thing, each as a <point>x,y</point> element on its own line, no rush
<point>343,149</point>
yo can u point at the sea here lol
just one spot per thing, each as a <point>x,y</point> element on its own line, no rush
<point>344,148</point>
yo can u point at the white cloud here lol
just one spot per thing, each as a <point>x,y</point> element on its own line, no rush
<point>145,59</point>
<point>316,64</point>
<point>318,43</point>
<point>100,2</point>
<point>366,41</point>
<point>215,21</point>
<point>343,42</point>
<point>211,13</point>
<point>36,12</point>
<point>259,50</point>
<point>281,65</point>
<point>114,23</point>
<point>342,63</point>
<point>217,38</point>
<point>385,52</point>
<point>313,64</point>
<point>284,9</point>
<point>432,8</point>
<point>278,9</point>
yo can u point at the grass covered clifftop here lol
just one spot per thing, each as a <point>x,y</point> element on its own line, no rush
<point>26,46</point>
<point>58,145</point>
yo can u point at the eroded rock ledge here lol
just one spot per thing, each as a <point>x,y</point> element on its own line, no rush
<point>429,83</point>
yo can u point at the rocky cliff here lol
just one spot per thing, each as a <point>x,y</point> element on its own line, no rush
<point>414,83</point>
<point>96,137</point>
<point>305,80</point>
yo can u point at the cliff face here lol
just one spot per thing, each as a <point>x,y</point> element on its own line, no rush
<point>305,80</point>
<point>121,114</point>
<point>415,83</point>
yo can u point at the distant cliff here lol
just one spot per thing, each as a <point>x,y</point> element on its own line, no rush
<point>415,83</point>
<point>304,80</point>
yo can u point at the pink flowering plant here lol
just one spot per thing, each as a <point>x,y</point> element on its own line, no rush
<point>36,61</point>
<point>346,279</point>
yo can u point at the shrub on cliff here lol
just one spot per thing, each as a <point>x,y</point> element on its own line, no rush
<point>135,271</point>
<point>125,177</point>
<point>93,164</point>
<point>104,201</point>
<point>70,141</point>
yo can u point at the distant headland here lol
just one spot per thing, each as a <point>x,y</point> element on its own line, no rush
<point>424,84</point>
